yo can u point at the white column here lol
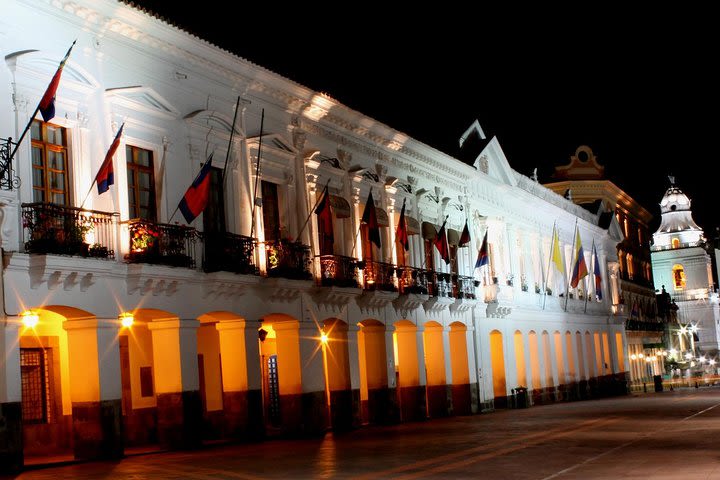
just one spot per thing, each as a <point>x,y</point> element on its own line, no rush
<point>390,355</point>
<point>10,390</point>
<point>447,357</point>
<point>422,373</point>
<point>528,362</point>
<point>311,359</point>
<point>353,356</point>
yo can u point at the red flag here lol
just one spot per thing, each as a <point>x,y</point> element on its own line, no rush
<point>401,235</point>
<point>442,245</point>
<point>196,197</point>
<point>369,217</point>
<point>324,215</point>
<point>47,102</point>
<point>106,174</point>
<point>464,236</point>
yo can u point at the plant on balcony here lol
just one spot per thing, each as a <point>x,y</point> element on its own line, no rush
<point>537,287</point>
<point>143,238</point>
<point>98,250</point>
<point>509,279</point>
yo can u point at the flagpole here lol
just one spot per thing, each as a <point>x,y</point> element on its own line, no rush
<point>552,244</point>
<point>88,193</point>
<point>572,266</point>
<point>358,231</point>
<point>37,109</point>
<point>396,240</point>
<point>257,174</point>
<point>232,132</point>
<point>587,291</point>
<point>312,210</point>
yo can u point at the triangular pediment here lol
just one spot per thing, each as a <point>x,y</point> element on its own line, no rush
<point>141,98</point>
<point>40,64</point>
<point>493,163</point>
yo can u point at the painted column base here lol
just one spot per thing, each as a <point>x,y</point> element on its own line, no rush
<point>11,438</point>
<point>97,430</point>
<point>344,409</point>
<point>413,405</point>
<point>179,420</point>
<point>475,406</point>
<point>383,406</point>
<point>243,415</point>
<point>314,413</point>
<point>140,426</point>
<point>461,399</point>
<point>439,399</point>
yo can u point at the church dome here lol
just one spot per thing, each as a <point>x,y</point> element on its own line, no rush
<point>674,201</point>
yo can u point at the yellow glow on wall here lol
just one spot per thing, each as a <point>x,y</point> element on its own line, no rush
<point>557,338</point>
<point>373,336</point>
<point>459,354</point>
<point>407,354</point>
<point>337,360</point>
<point>434,354</point>
<point>209,347</point>
<point>534,360</point>
<point>497,358</point>
<point>520,359</point>
<point>288,356</point>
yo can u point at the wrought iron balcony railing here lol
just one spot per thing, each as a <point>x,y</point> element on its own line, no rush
<point>8,180</point>
<point>639,325</point>
<point>440,285</point>
<point>62,230</point>
<point>464,287</point>
<point>378,275</point>
<point>413,280</point>
<point>229,252</point>
<point>161,244</point>
<point>288,259</point>
<point>338,271</point>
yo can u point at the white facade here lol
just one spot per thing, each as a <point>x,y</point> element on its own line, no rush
<point>460,346</point>
<point>683,267</point>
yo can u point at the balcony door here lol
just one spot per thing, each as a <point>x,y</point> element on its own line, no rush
<point>214,213</point>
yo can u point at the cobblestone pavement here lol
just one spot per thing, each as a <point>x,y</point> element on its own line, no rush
<point>661,436</point>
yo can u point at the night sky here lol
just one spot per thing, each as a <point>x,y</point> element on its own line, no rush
<point>638,87</point>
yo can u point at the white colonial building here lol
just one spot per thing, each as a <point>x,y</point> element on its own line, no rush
<point>683,267</point>
<point>124,326</point>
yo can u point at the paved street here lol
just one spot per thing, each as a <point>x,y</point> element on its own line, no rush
<point>659,436</point>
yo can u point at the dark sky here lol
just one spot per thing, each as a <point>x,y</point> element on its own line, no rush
<point>639,87</point>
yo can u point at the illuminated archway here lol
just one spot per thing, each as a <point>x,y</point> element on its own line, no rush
<point>497,358</point>
<point>520,358</point>
<point>375,396</point>
<point>535,374</point>
<point>549,381</point>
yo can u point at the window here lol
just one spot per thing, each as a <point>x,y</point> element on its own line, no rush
<point>35,384</point>
<point>49,163</point>
<point>141,184</point>
<point>271,210</point>
<point>678,277</point>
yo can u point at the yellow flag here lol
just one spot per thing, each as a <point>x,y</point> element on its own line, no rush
<point>557,258</point>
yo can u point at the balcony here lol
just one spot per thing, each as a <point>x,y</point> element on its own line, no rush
<point>413,286</point>
<point>338,271</point>
<point>463,287</point>
<point>62,230</point>
<point>287,260</point>
<point>440,289</point>
<point>161,244</point>
<point>229,252</point>
<point>641,326</point>
<point>378,276</point>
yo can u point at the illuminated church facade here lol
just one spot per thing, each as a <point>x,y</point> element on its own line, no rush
<point>124,325</point>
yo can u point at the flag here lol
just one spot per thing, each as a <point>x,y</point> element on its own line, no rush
<point>106,174</point>
<point>324,215</point>
<point>369,217</point>
<point>483,258</point>
<point>196,197</point>
<point>464,236</point>
<point>579,270</point>
<point>401,234</point>
<point>596,273</point>
<point>47,102</point>
<point>442,245</point>
<point>556,256</point>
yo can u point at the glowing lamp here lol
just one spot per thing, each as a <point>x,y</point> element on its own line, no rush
<point>712,361</point>
<point>640,355</point>
<point>127,319</point>
<point>324,337</point>
<point>30,319</point>
<point>648,359</point>
<point>694,328</point>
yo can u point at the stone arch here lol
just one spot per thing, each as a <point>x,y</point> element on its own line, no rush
<point>534,352</point>
<point>548,373</point>
<point>520,358</point>
<point>460,367</point>
<point>336,360</point>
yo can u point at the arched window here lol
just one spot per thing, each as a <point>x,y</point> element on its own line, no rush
<point>675,242</point>
<point>678,277</point>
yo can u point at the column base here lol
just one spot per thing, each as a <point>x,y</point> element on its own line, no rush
<point>413,405</point>
<point>97,430</point>
<point>180,420</point>
<point>243,415</point>
<point>461,399</point>
<point>344,409</point>
<point>475,406</point>
<point>315,413</point>
<point>383,407</point>
<point>11,438</point>
<point>439,399</point>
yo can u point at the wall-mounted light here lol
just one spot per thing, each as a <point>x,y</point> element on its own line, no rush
<point>324,337</point>
<point>127,319</point>
<point>30,318</point>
